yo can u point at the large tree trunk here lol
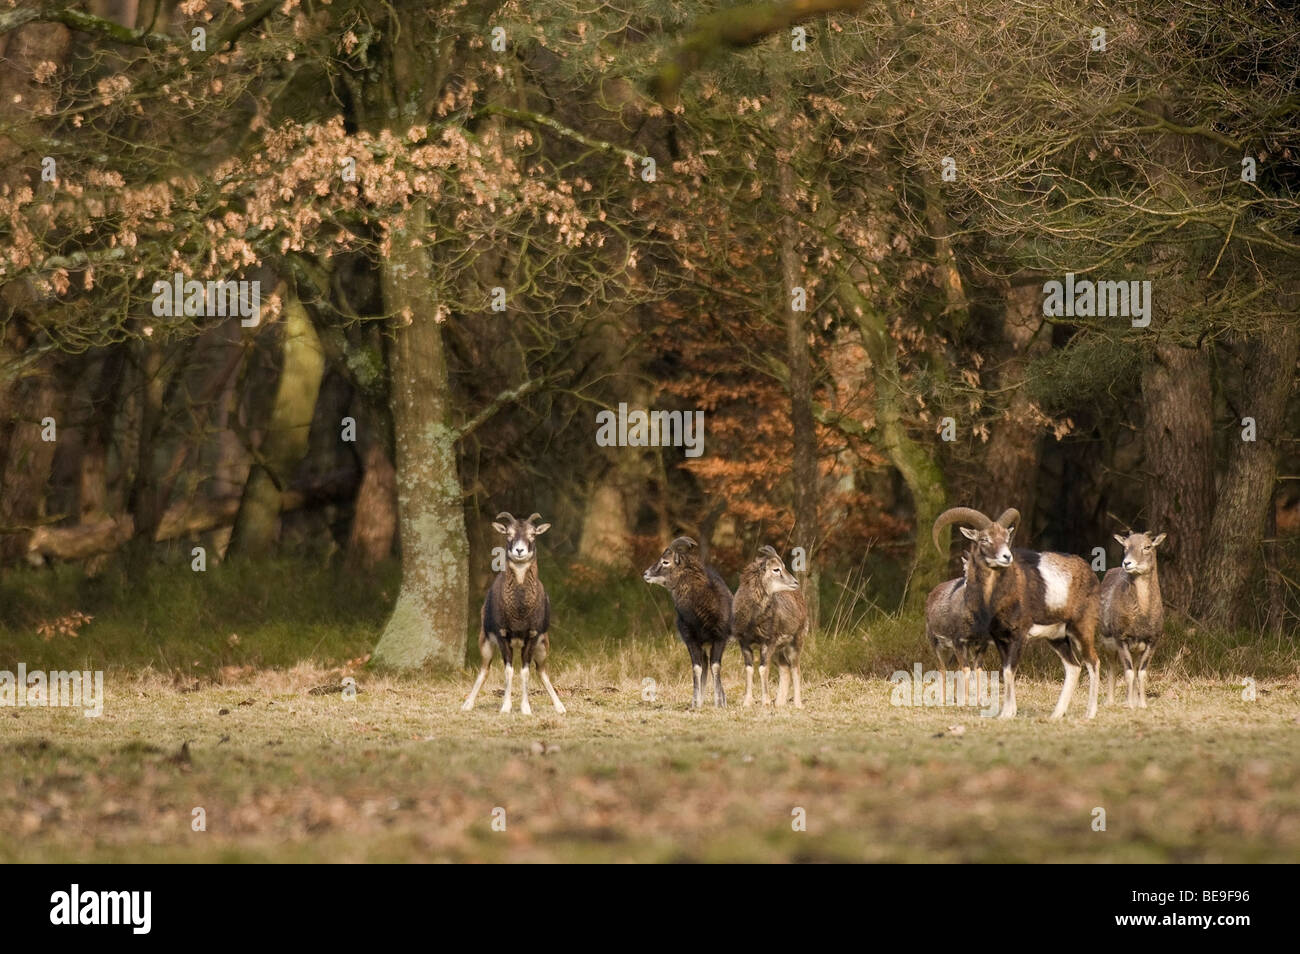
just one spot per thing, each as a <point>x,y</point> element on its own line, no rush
<point>613,499</point>
<point>917,465</point>
<point>605,539</point>
<point>374,513</point>
<point>28,459</point>
<point>1180,478</point>
<point>287,433</point>
<point>803,470</point>
<point>1012,455</point>
<point>142,500</point>
<point>430,621</point>
<point>1246,494</point>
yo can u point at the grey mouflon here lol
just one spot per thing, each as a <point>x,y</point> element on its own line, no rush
<point>517,612</point>
<point>769,611</point>
<point>1132,613</point>
<point>703,604</point>
<point>952,629</point>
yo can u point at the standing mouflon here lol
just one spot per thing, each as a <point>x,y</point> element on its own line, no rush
<point>1132,613</point>
<point>770,611</point>
<point>1017,595</point>
<point>952,630</point>
<point>517,612</point>
<point>703,604</point>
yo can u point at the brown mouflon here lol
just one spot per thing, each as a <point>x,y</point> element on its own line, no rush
<point>1022,594</point>
<point>517,612</point>
<point>703,604</point>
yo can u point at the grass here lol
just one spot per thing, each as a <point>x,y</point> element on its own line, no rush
<point>399,773</point>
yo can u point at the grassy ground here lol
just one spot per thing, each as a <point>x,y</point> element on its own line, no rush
<point>193,720</point>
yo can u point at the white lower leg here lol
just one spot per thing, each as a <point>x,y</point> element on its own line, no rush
<point>524,707</point>
<point>555,698</point>
<point>715,670</point>
<point>762,677</point>
<point>1142,688</point>
<point>1093,688</point>
<point>697,677</point>
<point>1132,689</point>
<point>1009,680</point>
<point>798,694</point>
<point>782,685</point>
<point>1067,690</point>
<point>510,678</point>
<point>749,686</point>
<point>473,693</point>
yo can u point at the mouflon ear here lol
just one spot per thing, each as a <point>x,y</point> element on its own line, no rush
<point>500,527</point>
<point>1119,539</point>
<point>541,528</point>
<point>1158,540</point>
<point>968,533</point>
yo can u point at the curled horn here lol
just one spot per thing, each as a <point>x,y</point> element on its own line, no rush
<point>682,544</point>
<point>536,516</point>
<point>1010,517</point>
<point>507,514</point>
<point>959,515</point>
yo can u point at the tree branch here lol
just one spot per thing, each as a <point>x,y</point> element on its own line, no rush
<point>508,396</point>
<point>735,29</point>
<point>85,23</point>
<point>527,116</point>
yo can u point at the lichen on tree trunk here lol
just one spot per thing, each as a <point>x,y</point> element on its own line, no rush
<point>429,622</point>
<point>918,468</point>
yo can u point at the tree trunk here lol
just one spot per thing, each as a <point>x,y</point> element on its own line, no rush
<point>1011,457</point>
<point>1246,494</point>
<point>605,540</point>
<point>430,621</point>
<point>1180,477</point>
<point>287,433</point>
<point>28,459</point>
<point>142,500</point>
<point>374,515</point>
<point>917,466</point>
<point>803,469</point>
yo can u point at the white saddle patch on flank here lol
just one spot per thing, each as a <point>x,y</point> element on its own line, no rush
<point>1050,630</point>
<point>1056,583</point>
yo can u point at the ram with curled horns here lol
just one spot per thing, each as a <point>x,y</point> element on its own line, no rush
<point>1016,595</point>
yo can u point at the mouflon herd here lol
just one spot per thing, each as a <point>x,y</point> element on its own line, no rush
<point>1005,597</point>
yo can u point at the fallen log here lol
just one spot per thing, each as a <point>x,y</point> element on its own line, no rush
<point>184,519</point>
